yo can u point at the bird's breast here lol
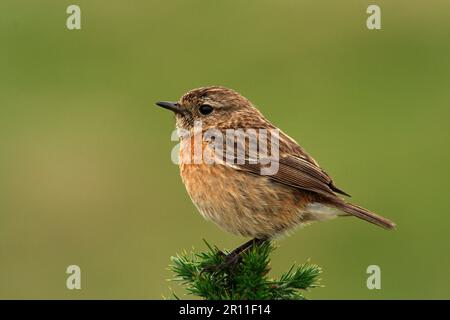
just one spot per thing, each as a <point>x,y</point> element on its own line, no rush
<point>243,203</point>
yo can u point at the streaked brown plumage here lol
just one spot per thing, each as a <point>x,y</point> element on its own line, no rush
<point>236,196</point>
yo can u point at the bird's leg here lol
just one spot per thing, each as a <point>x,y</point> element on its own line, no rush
<point>246,246</point>
<point>235,257</point>
<point>232,259</point>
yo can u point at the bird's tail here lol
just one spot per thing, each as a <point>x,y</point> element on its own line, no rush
<point>366,215</point>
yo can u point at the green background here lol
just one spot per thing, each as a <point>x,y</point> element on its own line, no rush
<point>85,170</point>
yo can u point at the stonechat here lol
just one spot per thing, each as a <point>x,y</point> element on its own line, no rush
<point>232,190</point>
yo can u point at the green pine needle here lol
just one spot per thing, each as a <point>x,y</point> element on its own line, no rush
<point>247,281</point>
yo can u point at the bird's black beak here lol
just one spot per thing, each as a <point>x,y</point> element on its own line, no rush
<point>173,106</point>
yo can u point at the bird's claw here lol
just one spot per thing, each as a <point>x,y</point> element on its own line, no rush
<point>229,263</point>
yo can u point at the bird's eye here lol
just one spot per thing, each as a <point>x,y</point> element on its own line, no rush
<point>205,109</point>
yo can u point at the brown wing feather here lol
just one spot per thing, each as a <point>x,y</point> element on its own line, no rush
<point>312,170</point>
<point>296,167</point>
<point>300,176</point>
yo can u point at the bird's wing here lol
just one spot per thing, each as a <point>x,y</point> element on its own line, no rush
<point>295,167</point>
<point>299,173</point>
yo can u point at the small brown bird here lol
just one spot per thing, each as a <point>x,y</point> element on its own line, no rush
<point>235,194</point>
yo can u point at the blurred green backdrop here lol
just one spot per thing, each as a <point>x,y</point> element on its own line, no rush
<point>85,170</point>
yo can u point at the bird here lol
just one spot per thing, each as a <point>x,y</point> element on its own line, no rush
<point>236,194</point>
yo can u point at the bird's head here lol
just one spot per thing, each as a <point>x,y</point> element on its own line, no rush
<point>215,107</point>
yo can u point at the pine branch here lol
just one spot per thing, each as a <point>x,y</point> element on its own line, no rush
<point>249,280</point>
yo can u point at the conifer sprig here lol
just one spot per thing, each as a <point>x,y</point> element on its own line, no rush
<point>248,280</point>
